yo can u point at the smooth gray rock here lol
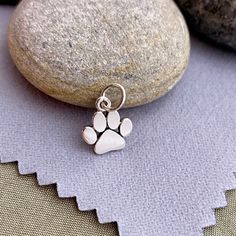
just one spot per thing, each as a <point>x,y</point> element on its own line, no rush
<point>216,19</point>
<point>72,49</point>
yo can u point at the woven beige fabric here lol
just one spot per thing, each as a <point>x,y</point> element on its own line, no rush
<point>29,210</point>
<point>226,218</point>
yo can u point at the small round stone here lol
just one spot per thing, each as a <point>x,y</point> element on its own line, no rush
<point>72,50</point>
<point>213,18</point>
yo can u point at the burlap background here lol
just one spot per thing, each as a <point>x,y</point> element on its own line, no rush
<point>27,209</point>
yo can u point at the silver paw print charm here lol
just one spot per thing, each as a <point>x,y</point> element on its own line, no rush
<point>108,131</point>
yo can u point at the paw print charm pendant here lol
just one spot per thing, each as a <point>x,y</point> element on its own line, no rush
<point>108,130</point>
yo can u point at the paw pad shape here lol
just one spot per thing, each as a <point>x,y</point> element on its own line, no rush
<point>108,132</point>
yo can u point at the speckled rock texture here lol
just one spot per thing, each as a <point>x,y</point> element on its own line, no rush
<point>72,49</point>
<point>215,19</point>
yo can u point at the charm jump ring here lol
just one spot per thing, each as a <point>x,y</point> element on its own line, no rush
<point>103,104</point>
<point>121,88</point>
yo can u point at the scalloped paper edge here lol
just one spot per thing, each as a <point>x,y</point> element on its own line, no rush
<point>102,218</point>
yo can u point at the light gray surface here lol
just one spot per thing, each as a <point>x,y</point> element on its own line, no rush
<point>178,162</point>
